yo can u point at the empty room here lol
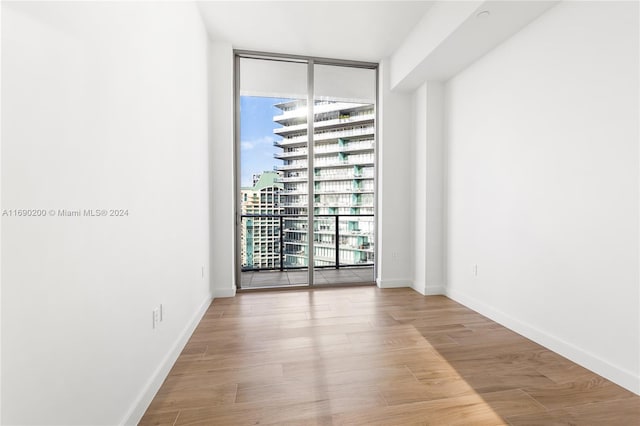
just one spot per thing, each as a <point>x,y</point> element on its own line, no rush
<point>320,213</point>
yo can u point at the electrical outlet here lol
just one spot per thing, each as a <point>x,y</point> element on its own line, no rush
<point>156,317</point>
<point>161,312</point>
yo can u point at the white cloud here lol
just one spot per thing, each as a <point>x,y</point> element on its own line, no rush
<point>262,142</point>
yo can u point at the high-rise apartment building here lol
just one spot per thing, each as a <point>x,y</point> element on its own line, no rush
<point>342,179</point>
<point>260,236</point>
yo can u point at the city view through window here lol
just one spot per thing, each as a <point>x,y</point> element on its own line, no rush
<point>278,181</point>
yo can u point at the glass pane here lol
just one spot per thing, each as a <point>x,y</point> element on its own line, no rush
<point>344,174</point>
<point>273,173</point>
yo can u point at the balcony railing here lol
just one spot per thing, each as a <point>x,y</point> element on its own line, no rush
<point>344,175</point>
<point>325,135</point>
<point>291,154</point>
<point>323,163</point>
<point>324,124</point>
<point>300,111</point>
<point>351,240</point>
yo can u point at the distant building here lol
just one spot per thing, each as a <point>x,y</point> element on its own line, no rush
<point>342,178</point>
<point>260,236</point>
<point>255,178</point>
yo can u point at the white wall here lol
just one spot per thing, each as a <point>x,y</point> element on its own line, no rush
<point>395,185</point>
<point>428,194</point>
<point>543,188</point>
<point>0,226</point>
<point>221,169</point>
<point>434,28</point>
<point>420,188</point>
<point>450,37</point>
<point>104,106</point>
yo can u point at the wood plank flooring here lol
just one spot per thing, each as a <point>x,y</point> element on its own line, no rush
<point>366,356</point>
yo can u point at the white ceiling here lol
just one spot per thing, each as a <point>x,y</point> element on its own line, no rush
<point>355,30</point>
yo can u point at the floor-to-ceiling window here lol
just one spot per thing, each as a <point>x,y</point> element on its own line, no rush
<point>305,132</point>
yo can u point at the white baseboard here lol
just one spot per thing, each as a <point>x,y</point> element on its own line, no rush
<point>620,376</point>
<point>419,287</point>
<point>393,283</point>
<point>224,292</point>
<point>141,403</point>
<point>435,290</point>
<point>429,290</point>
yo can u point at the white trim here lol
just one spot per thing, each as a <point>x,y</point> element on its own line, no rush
<point>224,292</point>
<point>140,405</point>
<point>620,376</point>
<point>419,287</point>
<point>392,283</point>
<point>435,290</point>
<point>429,289</point>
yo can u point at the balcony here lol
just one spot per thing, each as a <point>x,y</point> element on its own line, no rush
<point>294,203</point>
<point>346,148</point>
<point>301,178</point>
<point>325,124</point>
<point>300,153</point>
<point>344,133</point>
<point>367,131</point>
<point>295,166</point>
<point>345,190</point>
<point>363,161</point>
<point>340,241</point>
<point>320,108</point>
<point>344,176</point>
<point>292,141</point>
<point>293,278</point>
<point>300,189</point>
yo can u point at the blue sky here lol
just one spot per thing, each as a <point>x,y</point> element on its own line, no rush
<point>256,136</point>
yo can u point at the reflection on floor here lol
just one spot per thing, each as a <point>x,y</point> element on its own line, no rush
<point>370,356</point>
<point>261,279</point>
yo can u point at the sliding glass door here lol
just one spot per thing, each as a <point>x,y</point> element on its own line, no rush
<point>306,171</point>
<point>343,174</point>
<point>272,209</point>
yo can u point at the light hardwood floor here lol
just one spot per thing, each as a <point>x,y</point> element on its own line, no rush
<point>366,356</point>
